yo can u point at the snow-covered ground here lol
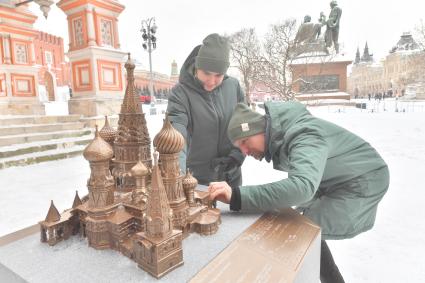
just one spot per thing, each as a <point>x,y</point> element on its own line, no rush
<point>391,252</point>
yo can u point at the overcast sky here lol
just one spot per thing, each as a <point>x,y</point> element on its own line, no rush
<point>183,24</point>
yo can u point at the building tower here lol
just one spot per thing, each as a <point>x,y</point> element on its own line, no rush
<point>101,192</point>
<point>18,70</point>
<point>366,57</point>
<point>158,250</point>
<point>95,56</point>
<point>406,42</point>
<point>169,142</point>
<point>132,137</point>
<point>174,72</point>
<point>357,60</point>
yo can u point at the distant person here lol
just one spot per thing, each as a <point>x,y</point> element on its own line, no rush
<point>70,91</point>
<point>332,26</point>
<point>335,178</point>
<point>200,107</point>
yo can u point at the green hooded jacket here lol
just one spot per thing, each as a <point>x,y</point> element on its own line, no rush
<point>202,117</point>
<point>326,164</point>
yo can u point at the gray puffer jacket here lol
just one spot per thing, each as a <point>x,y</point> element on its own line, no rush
<point>202,118</point>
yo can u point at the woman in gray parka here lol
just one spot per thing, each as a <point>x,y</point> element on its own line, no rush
<point>335,178</point>
<point>200,107</point>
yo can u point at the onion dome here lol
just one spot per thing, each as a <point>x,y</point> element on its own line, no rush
<point>139,170</point>
<point>189,181</point>
<point>168,140</point>
<point>129,64</point>
<point>98,149</point>
<point>107,132</point>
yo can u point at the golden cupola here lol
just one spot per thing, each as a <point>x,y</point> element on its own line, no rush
<point>139,170</point>
<point>107,132</point>
<point>189,184</point>
<point>168,140</point>
<point>98,150</point>
<point>189,180</point>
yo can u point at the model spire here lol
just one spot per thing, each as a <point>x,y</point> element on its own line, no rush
<point>77,200</point>
<point>53,213</point>
<point>130,103</point>
<point>158,212</point>
<point>132,136</point>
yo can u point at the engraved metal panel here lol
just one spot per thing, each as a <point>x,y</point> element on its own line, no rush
<point>320,83</point>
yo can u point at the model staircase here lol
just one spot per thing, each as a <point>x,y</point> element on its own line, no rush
<point>27,140</point>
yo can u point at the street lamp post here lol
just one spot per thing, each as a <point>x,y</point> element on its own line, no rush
<point>149,44</point>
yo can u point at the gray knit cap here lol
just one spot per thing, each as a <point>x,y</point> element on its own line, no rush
<point>245,123</point>
<point>213,56</point>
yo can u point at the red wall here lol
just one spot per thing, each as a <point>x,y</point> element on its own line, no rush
<point>54,44</point>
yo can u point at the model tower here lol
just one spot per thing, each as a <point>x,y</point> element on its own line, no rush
<point>101,192</point>
<point>132,137</point>
<point>101,183</point>
<point>49,228</point>
<point>140,173</point>
<point>189,185</point>
<point>169,142</point>
<point>158,250</point>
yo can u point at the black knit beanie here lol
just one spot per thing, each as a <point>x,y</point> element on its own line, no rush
<point>213,56</point>
<point>245,123</point>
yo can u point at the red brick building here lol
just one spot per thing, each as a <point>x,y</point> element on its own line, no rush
<point>160,81</point>
<point>50,58</point>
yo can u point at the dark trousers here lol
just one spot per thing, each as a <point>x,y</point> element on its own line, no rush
<point>329,272</point>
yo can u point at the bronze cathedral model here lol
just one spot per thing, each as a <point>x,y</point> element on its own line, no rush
<point>140,209</point>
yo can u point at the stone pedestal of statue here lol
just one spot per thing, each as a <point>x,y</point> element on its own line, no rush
<point>318,72</point>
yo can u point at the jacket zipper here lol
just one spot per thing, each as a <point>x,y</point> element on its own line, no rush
<point>218,120</point>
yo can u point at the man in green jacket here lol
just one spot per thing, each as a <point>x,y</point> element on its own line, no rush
<point>334,177</point>
<point>200,107</point>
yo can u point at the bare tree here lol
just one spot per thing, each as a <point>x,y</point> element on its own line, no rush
<point>271,64</point>
<point>420,34</point>
<point>245,48</point>
<point>274,64</point>
<point>416,61</point>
